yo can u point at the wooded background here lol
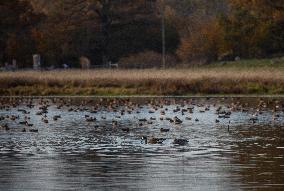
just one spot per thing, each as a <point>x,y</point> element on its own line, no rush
<point>129,31</point>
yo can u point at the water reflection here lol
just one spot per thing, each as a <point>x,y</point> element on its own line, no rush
<point>260,156</point>
<point>73,154</point>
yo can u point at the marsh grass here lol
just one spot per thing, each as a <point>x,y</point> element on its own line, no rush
<point>147,82</point>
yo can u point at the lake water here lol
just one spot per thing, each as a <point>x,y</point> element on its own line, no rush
<point>243,149</point>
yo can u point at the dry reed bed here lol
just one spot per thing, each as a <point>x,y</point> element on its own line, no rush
<point>170,81</point>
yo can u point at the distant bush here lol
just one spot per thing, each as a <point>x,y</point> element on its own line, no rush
<point>148,59</point>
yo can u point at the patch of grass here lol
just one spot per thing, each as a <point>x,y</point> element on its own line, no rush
<point>251,63</point>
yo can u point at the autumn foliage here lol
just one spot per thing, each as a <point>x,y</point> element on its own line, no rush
<point>203,45</point>
<point>129,32</point>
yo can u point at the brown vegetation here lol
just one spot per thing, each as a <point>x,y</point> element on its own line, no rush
<point>146,82</point>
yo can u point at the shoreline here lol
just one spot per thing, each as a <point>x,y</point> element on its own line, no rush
<point>215,81</point>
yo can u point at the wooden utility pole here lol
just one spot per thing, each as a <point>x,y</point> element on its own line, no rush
<point>163,35</point>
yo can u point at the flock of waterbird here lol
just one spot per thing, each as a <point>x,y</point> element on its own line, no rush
<point>121,107</point>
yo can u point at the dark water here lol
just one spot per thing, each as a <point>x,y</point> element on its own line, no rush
<point>74,154</point>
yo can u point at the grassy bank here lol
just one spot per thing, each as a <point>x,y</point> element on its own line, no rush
<point>277,62</point>
<point>191,81</point>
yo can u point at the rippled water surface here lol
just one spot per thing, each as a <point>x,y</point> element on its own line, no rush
<point>243,151</point>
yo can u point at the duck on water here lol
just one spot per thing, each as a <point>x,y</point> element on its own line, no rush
<point>154,140</point>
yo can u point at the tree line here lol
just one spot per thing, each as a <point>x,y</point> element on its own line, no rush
<point>129,32</point>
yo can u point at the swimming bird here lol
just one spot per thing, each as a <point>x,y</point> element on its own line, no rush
<point>6,127</point>
<point>56,117</point>
<point>143,120</point>
<point>180,142</point>
<point>163,130</point>
<point>177,120</point>
<point>125,129</point>
<point>34,130</point>
<point>91,119</point>
<point>45,120</point>
<point>170,119</point>
<point>114,123</point>
<point>23,122</point>
<point>152,140</point>
<point>188,118</point>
